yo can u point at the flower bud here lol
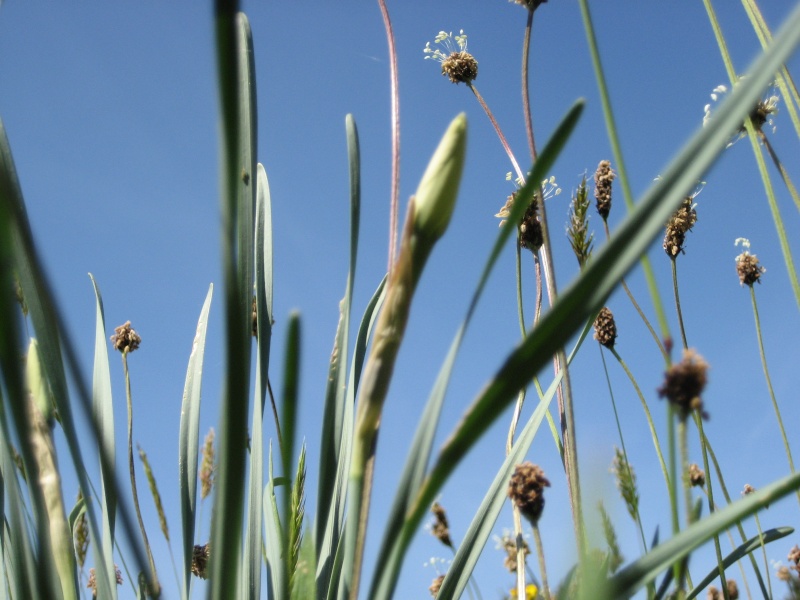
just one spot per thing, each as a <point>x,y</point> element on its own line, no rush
<point>437,191</point>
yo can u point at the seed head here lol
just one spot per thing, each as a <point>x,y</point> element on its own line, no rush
<point>92,583</point>
<point>794,555</point>
<point>440,528</point>
<point>578,227</point>
<point>605,329</point>
<point>125,339</point>
<point>529,4</point>
<point>436,585</point>
<point>457,64</point>
<point>697,477</point>
<point>679,224</point>
<point>747,265</point>
<point>526,490</point>
<point>684,382</point>
<point>509,544</point>
<point>626,482</point>
<point>603,177</point>
<point>207,466</point>
<point>200,561</point>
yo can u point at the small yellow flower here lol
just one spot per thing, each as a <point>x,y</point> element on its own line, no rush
<point>531,592</point>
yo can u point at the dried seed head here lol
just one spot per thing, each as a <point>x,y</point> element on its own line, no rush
<point>200,561</point>
<point>440,528</point>
<point>436,585</point>
<point>749,269</point>
<point>460,67</point>
<point>125,339</point>
<point>530,228</point>
<point>92,584</point>
<point>684,382</point>
<point>783,573</point>
<point>603,177</point>
<point>605,329</point>
<point>748,489</point>
<point>207,466</point>
<point>713,594</point>
<point>679,224</point>
<point>509,544</point>
<point>794,555</point>
<point>697,477</point>
<point>526,490</point>
<point>626,482</point>
<point>457,64</point>
<point>578,227</point>
<point>733,589</point>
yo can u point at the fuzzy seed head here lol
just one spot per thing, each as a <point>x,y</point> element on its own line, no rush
<point>749,269</point>
<point>794,555</point>
<point>200,561</point>
<point>603,177</point>
<point>679,224</point>
<point>125,339</point>
<point>605,329</point>
<point>509,544</point>
<point>436,584</point>
<point>440,528</point>
<point>697,477</point>
<point>578,226</point>
<point>526,490</point>
<point>207,466</point>
<point>92,583</point>
<point>460,67</point>
<point>626,482</point>
<point>684,382</point>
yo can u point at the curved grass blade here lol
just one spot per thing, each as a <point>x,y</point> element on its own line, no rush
<point>330,553</point>
<point>274,543</point>
<point>416,463</point>
<point>188,440</point>
<point>480,529</point>
<point>740,552</point>
<point>103,409</point>
<point>237,97</point>
<point>251,580</point>
<point>291,382</point>
<point>334,411</point>
<point>630,579</point>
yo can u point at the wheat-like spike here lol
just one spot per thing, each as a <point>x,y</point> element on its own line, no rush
<point>151,481</point>
<point>297,514</point>
<point>615,558</point>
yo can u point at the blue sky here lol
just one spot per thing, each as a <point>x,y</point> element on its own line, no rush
<point>112,117</point>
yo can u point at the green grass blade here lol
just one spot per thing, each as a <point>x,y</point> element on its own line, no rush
<point>419,454</point>
<point>304,587</point>
<point>188,441</point>
<point>480,529</point>
<point>274,542</point>
<point>291,382</point>
<point>294,526</point>
<point>630,579</point>
<point>740,552</point>
<point>334,411</point>
<point>329,548</point>
<point>237,99</point>
<point>103,408</point>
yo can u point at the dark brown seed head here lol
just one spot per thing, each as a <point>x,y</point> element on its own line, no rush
<point>440,528</point>
<point>200,561</point>
<point>697,476</point>
<point>510,546</point>
<point>684,382</point>
<point>679,224</point>
<point>526,490</point>
<point>125,339</point>
<point>794,555</point>
<point>460,67</point>
<point>603,177</point>
<point>605,329</point>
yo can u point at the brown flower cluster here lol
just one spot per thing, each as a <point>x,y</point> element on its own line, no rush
<point>603,177</point>
<point>441,528</point>
<point>125,338</point>
<point>605,329</point>
<point>436,585</point>
<point>697,477</point>
<point>684,382</point>
<point>679,224</point>
<point>460,67</point>
<point>526,490</point>
<point>92,584</point>
<point>200,561</point>
<point>733,591</point>
<point>749,269</point>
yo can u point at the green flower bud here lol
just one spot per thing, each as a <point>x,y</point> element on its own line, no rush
<point>437,191</point>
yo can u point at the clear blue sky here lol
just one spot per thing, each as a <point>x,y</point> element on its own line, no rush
<point>112,117</point>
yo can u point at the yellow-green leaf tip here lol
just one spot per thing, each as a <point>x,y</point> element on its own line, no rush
<point>438,189</point>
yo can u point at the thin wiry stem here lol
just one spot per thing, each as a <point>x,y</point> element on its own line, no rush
<point>497,130</point>
<point>769,382</point>
<point>678,301</point>
<point>395,96</point>
<point>154,588</point>
<point>781,169</point>
<point>537,538</point>
<point>526,97</point>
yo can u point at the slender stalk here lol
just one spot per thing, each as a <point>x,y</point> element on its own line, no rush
<point>678,301</point>
<point>526,96</point>
<point>769,382</point>
<point>787,180</point>
<point>395,97</point>
<point>621,441</point>
<point>153,586</point>
<point>537,538</point>
<point>497,130</point>
<point>650,424</point>
<point>763,551</point>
